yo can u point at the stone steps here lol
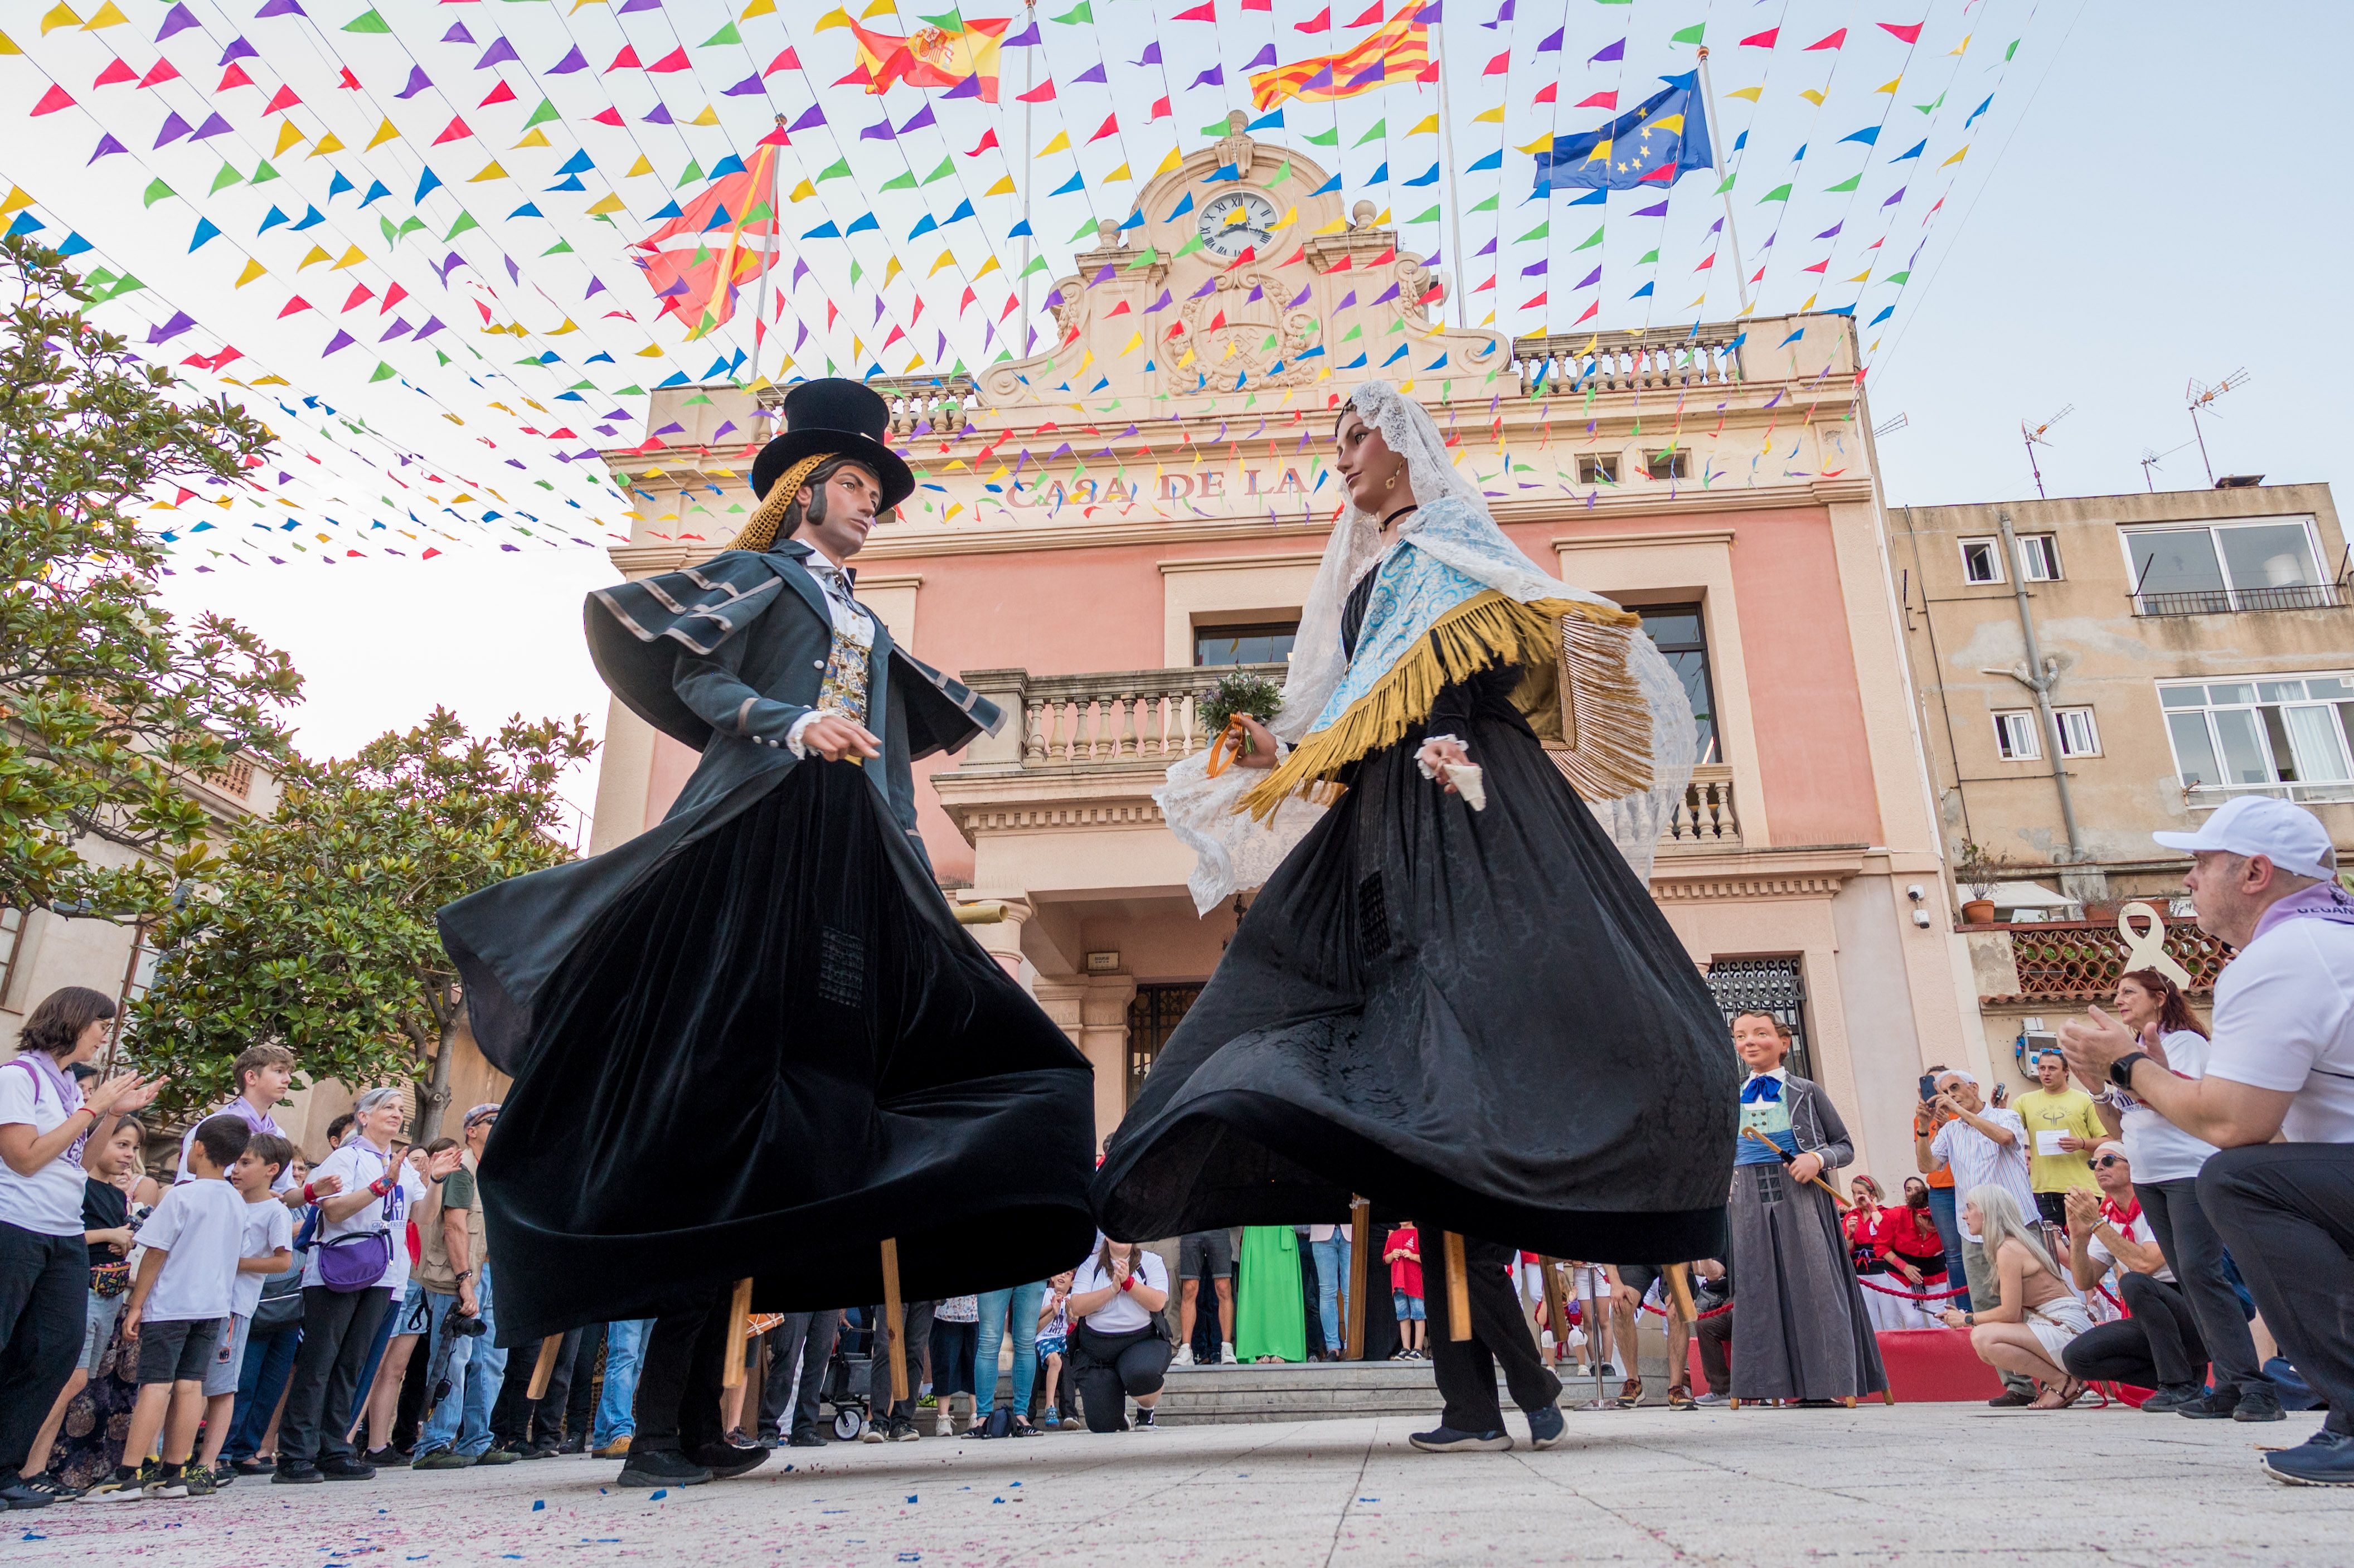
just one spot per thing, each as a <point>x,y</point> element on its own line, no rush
<point>1332,1391</point>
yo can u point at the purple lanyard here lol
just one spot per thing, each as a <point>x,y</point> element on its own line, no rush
<point>40,1066</point>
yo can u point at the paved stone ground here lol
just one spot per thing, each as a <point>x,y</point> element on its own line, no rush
<point>1894,1489</point>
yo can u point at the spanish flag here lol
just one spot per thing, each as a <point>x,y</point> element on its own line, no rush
<point>929,56</point>
<point>1399,50</point>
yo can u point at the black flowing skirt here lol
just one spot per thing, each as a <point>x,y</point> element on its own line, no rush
<point>774,1050</point>
<point>1479,1020</point>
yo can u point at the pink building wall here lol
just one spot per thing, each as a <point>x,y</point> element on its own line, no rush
<point>1055,612</point>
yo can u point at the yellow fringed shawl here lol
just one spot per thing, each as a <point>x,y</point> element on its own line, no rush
<point>1576,691</point>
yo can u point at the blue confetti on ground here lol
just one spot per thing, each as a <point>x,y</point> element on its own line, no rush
<point>660,1493</point>
<point>537,1504</point>
<point>911,1498</point>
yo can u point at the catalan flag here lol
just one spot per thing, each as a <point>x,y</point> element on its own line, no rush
<point>1400,51</point>
<point>931,57</point>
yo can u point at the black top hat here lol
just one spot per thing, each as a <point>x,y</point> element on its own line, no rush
<point>835,415</point>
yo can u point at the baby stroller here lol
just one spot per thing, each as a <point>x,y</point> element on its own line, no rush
<point>846,1375</point>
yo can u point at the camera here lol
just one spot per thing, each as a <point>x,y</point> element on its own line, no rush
<point>465,1326</point>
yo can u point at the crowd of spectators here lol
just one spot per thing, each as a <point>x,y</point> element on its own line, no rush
<point>2168,1213</point>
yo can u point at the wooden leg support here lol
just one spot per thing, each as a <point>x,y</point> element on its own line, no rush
<point>739,1328</point>
<point>544,1369</point>
<point>1458,1287</point>
<point>1360,1245</point>
<point>1887,1396</point>
<point>893,1315</point>
<point>1556,1305</point>
<point>1679,1287</point>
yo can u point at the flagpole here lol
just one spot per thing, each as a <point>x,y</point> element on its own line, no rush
<point>1029,72</point>
<point>1716,155</point>
<point>768,265</point>
<point>1454,172</point>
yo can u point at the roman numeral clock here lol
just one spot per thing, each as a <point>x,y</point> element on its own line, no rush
<point>1239,271</point>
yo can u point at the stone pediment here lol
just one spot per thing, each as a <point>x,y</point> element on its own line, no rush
<point>1221,285</point>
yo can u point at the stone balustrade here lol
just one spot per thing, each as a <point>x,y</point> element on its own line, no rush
<point>1627,362</point>
<point>1141,721</point>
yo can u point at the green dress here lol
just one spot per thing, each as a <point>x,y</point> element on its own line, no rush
<point>1270,1311</point>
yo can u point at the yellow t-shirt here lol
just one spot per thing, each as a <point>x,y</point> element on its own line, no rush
<point>2048,1115</point>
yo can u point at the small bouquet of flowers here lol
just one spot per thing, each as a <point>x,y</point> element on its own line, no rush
<point>1237,696</point>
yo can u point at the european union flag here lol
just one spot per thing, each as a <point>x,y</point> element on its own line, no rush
<point>1653,143</point>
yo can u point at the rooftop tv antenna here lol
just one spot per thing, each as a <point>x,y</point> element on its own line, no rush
<point>2151,458</point>
<point>2202,398</point>
<point>2034,438</point>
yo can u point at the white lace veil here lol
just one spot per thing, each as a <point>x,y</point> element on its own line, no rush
<point>1452,524</point>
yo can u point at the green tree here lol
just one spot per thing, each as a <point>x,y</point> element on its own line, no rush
<point>106,705</point>
<point>315,928</point>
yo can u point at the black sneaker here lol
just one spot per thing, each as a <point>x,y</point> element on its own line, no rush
<point>17,1492</point>
<point>294,1472</point>
<point>1144,1422</point>
<point>120,1488</point>
<point>576,1443</point>
<point>724,1459</point>
<point>256,1466</point>
<point>805,1440</point>
<point>389,1457</point>
<point>50,1485</point>
<point>2010,1399</point>
<point>2218,1405</point>
<point>903,1430</point>
<point>2173,1396</point>
<point>2325,1459</point>
<point>2259,1403</point>
<point>661,1467</point>
<point>1448,1440</point>
<point>346,1468</point>
<point>539,1450</point>
<point>497,1453</point>
<point>1546,1426</point>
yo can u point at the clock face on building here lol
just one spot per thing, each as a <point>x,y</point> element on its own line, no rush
<point>1235,220</point>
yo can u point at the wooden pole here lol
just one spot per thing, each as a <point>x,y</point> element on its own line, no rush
<point>544,1369</point>
<point>740,1324</point>
<point>1751,1132</point>
<point>896,1319</point>
<point>1361,1246</point>
<point>1556,1302</point>
<point>1679,1287</point>
<point>1458,1286</point>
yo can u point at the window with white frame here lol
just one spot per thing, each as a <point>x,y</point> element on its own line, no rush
<point>2286,736</point>
<point>2268,563</point>
<point>1982,560</point>
<point>2038,557</point>
<point>2014,735</point>
<point>2078,735</point>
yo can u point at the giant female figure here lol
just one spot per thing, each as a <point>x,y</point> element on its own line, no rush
<point>1477,1017</point>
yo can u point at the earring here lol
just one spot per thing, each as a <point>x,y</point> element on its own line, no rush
<point>1392,484</point>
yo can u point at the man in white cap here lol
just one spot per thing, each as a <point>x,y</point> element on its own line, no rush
<point>2263,878</point>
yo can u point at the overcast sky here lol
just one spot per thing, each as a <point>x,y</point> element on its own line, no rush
<point>2168,204</point>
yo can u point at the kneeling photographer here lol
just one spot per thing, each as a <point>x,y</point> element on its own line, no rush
<point>464,1368</point>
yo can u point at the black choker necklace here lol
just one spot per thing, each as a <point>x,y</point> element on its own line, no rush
<point>1401,511</point>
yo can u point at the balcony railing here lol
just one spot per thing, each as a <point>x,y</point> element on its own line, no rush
<point>2206,797</point>
<point>2080,960</point>
<point>920,405</point>
<point>1136,721</point>
<point>2228,601</point>
<point>1626,362</point>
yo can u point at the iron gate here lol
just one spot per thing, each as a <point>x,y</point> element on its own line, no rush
<point>1771,986</point>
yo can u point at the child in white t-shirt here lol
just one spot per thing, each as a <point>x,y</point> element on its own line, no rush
<point>179,1307</point>
<point>267,1248</point>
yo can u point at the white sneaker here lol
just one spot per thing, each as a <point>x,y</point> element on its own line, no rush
<point>1227,1356</point>
<point>1184,1357</point>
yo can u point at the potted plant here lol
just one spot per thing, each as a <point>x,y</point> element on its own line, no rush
<point>1979,872</point>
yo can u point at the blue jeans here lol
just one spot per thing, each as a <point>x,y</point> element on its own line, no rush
<point>1331,1267</point>
<point>625,1346</point>
<point>268,1361</point>
<point>1023,1302</point>
<point>462,1423</point>
<point>1949,1231</point>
